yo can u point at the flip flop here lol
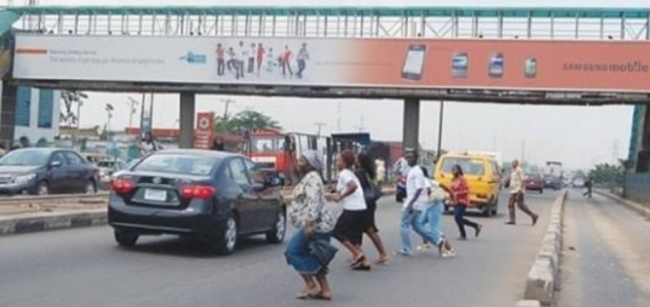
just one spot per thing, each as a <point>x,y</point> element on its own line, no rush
<point>320,297</point>
<point>358,261</point>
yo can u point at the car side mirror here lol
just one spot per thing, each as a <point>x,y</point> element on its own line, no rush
<point>275,181</point>
<point>55,164</point>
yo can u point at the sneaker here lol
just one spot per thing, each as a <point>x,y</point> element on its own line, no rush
<point>405,252</point>
<point>449,254</point>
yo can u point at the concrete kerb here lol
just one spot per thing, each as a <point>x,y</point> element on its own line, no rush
<point>51,221</point>
<point>543,275</point>
<point>638,208</point>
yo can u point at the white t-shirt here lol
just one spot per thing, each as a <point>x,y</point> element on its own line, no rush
<point>355,201</point>
<point>416,181</point>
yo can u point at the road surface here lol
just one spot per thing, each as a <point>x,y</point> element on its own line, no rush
<point>84,267</point>
<point>606,257</point>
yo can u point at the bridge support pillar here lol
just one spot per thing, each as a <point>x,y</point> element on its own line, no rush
<point>7,113</point>
<point>411,124</point>
<point>186,120</point>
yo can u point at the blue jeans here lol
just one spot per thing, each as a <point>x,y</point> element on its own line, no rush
<point>406,222</point>
<point>299,256</point>
<point>461,221</point>
<point>432,216</point>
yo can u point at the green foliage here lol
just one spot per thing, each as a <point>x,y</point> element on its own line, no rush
<point>608,174</point>
<point>71,99</point>
<point>246,120</point>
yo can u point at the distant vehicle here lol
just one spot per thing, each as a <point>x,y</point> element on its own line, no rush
<point>215,196</point>
<point>43,171</point>
<point>579,182</point>
<point>482,174</point>
<point>551,182</point>
<point>534,182</point>
<point>108,167</point>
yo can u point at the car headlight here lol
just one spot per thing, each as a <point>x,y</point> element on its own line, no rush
<point>24,178</point>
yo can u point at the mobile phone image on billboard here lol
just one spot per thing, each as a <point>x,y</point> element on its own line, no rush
<point>531,68</point>
<point>496,68</point>
<point>414,62</point>
<point>459,65</point>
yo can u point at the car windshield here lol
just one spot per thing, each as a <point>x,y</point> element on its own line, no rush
<point>178,164</point>
<point>473,167</point>
<point>105,164</point>
<point>25,157</point>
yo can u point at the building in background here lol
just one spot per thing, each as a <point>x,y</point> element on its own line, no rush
<point>36,116</point>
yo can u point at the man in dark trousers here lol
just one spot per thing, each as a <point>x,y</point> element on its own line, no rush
<point>589,185</point>
<point>517,191</point>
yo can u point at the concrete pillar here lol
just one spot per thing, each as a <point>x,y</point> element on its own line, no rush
<point>411,123</point>
<point>187,108</point>
<point>7,113</point>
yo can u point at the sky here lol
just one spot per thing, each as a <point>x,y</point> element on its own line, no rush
<point>578,136</point>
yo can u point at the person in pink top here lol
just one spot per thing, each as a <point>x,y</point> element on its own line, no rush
<point>460,199</point>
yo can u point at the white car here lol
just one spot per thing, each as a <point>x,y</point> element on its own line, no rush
<point>108,167</point>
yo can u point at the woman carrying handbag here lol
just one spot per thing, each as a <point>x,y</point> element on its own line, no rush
<point>310,251</point>
<point>366,173</point>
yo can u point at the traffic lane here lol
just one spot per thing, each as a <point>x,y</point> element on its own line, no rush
<point>605,254</point>
<point>84,266</point>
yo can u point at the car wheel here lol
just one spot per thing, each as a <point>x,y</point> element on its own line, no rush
<point>487,210</point>
<point>276,235</point>
<point>91,187</point>
<point>226,242</point>
<point>541,191</point>
<point>125,238</point>
<point>495,207</point>
<point>42,188</point>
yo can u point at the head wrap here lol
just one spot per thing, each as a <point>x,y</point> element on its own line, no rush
<point>314,158</point>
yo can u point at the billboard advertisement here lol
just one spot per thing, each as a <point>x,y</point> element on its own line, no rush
<point>204,134</point>
<point>387,63</point>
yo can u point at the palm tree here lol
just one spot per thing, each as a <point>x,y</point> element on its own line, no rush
<point>70,100</point>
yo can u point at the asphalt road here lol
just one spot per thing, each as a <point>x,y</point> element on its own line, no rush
<point>606,257</point>
<point>84,267</point>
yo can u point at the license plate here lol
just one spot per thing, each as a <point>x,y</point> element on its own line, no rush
<point>155,195</point>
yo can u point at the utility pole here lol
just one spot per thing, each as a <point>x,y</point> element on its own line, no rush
<point>227,102</point>
<point>320,127</point>
<point>134,104</point>
<point>440,123</point>
<point>361,126</point>
<point>338,120</point>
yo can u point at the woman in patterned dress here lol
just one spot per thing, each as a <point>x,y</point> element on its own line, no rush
<point>312,219</point>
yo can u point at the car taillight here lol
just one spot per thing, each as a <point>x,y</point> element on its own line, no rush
<point>197,191</point>
<point>122,186</point>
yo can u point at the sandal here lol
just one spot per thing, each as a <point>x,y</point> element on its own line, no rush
<point>320,296</point>
<point>358,261</point>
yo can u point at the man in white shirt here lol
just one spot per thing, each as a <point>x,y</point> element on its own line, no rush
<point>416,199</point>
<point>517,190</point>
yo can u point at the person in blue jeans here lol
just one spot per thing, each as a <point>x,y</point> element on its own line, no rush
<point>433,215</point>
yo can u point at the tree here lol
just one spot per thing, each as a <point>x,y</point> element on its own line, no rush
<point>608,174</point>
<point>71,99</point>
<point>246,120</point>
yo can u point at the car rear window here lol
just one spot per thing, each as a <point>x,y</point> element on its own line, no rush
<point>473,167</point>
<point>178,164</point>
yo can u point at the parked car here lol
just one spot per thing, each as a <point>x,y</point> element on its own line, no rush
<point>43,171</point>
<point>534,182</point>
<point>482,174</point>
<point>215,196</point>
<point>108,167</point>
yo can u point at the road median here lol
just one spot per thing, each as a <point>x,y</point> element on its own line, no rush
<point>43,213</point>
<point>542,278</point>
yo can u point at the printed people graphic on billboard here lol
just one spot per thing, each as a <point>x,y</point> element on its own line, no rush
<point>303,57</point>
<point>220,60</point>
<point>287,56</point>
<point>260,57</point>
<point>251,59</point>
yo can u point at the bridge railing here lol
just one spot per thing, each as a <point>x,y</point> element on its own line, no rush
<point>341,22</point>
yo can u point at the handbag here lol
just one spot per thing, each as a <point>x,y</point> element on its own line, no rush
<point>323,250</point>
<point>437,194</point>
<point>370,191</point>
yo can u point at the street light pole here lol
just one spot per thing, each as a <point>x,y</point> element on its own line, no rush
<point>440,123</point>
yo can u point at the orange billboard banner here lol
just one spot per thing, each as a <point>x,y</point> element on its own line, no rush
<point>603,66</point>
